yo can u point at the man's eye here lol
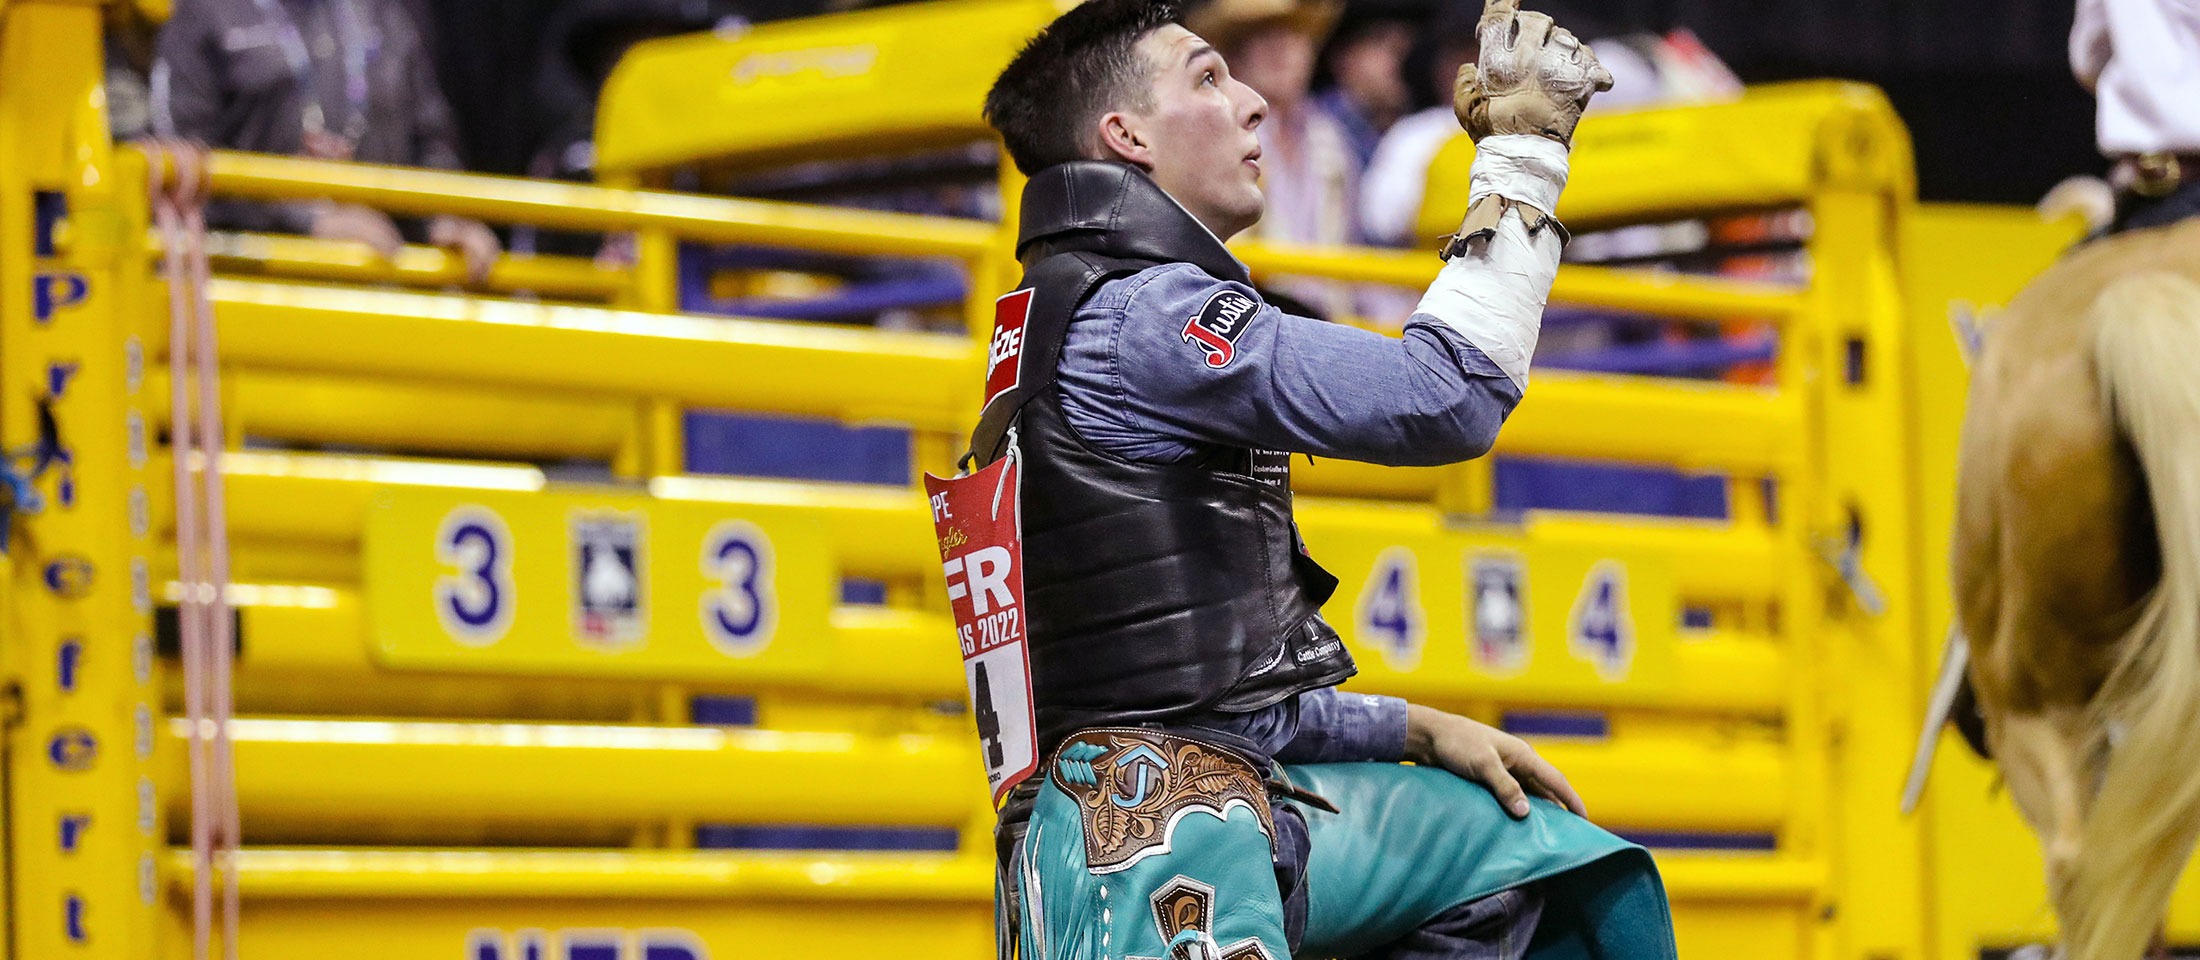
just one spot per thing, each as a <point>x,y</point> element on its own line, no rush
<point>1208,77</point>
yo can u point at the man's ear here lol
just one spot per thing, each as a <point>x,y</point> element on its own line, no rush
<point>1120,139</point>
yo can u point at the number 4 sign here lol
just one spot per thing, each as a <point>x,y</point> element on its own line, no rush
<point>1389,614</point>
<point>981,551</point>
<point>1601,630</point>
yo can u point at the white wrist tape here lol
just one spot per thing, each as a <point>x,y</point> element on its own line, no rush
<point>1526,168</point>
<point>1493,292</point>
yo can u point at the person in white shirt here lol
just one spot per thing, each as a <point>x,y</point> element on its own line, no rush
<point>2141,59</point>
<point>1397,175</point>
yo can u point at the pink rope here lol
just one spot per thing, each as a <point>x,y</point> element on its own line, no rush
<point>189,572</point>
<point>220,641</point>
<point>202,544</point>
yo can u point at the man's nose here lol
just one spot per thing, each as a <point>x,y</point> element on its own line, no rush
<point>1258,106</point>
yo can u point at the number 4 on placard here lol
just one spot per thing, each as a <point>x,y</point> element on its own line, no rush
<point>1600,629</point>
<point>1390,616</point>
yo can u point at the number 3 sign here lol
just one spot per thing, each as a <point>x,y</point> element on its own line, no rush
<point>474,601</point>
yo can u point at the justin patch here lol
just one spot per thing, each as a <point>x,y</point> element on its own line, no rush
<point>1217,326</point>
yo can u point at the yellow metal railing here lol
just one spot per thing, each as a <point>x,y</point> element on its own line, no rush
<point>298,519</point>
<point>333,261</point>
<point>1654,292</point>
<point>365,727</point>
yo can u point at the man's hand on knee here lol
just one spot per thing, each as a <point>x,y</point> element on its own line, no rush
<point>1486,755</point>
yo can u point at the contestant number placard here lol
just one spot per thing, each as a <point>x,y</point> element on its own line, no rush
<point>981,553</point>
<point>596,584</point>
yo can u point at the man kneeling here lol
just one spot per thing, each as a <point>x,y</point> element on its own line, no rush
<point>1203,790</point>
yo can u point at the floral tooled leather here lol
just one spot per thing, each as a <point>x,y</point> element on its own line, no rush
<point>1131,785</point>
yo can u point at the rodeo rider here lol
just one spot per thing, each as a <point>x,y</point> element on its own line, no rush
<point>1205,791</point>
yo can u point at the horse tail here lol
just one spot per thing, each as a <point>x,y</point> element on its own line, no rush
<point>2146,814</point>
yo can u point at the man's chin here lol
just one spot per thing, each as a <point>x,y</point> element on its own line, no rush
<point>1253,211</point>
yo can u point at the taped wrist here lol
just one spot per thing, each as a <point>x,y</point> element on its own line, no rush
<point>1520,167</point>
<point>1483,216</point>
<point>1516,174</point>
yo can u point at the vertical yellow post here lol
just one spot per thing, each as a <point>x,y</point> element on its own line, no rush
<point>656,273</point>
<point>75,639</point>
<point>1872,658</point>
<point>1004,270</point>
<point>1468,489</point>
<point>656,282</point>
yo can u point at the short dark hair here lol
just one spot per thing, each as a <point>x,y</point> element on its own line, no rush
<point>1081,66</point>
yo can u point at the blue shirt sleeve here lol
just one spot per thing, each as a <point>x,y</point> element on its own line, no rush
<point>1340,727</point>
<point>1161,363</point>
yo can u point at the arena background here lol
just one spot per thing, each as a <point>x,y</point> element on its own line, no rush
<point>1984,86</point>
<point>590,609</point>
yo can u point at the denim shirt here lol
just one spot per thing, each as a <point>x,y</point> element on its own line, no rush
<point>1170,362</point>
<point>1140,381</point>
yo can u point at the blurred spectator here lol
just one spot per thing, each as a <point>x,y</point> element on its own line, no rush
<point>584,41</point>
<point>1306,162</point>
<point>2141,58</point>
<point>330,79</point>
<point>1308,170</point>
<point>1646,69</point>
<point>1365,67</point>
<point>128,37</point>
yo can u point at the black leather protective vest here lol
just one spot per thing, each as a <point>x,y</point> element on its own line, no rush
<point>1154,592</point>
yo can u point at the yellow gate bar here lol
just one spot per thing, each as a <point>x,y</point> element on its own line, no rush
<point>1711,299</point>
<point>298,631</point>
<point>882,531</point>
<point>1690,424</point>
<point>306,258</point>
<point>1728,562</point>
<point>283,874</point>
<point>291,773</point>
<point>582,207</point>
<point>925,380</point>
<point>298,771</point>
<point>1725,676</point>
<point>1671,782</point>
<point>875,531</point>
<point>1684,424</point>
<point>461,420</point>
<point>878,651</point>
<point>602,874</point>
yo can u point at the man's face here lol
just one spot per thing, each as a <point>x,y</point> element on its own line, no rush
<point>1197,141</point>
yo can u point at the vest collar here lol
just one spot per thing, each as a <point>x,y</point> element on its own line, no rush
<point>1114,209</point>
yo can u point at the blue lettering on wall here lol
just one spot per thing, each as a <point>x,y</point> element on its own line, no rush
<point>73,826</point>
<point>50,207</point>
<point>72,749</point>
<point>656,949</point>
<point>69,576</point>
<point>72,919</point>
<point>586,944</point>
<point>69,663</point>
<point>592,947</point>
<point>54,292</point>
<point>484,945</point>
<point>58,375</point>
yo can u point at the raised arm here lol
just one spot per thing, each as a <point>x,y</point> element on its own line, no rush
<point>1173,356</point>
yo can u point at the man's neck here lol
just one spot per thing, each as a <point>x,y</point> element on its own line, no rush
<point>1221,232</point>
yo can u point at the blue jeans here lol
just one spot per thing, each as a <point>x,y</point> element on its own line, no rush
<point>2135,212</point>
